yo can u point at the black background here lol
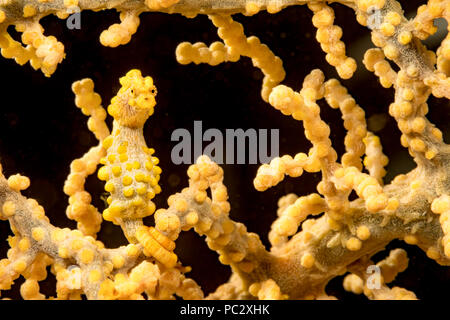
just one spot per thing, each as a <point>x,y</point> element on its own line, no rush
<point>42,131</point>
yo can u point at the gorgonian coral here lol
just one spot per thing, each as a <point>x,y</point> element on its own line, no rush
<point>306,251</point>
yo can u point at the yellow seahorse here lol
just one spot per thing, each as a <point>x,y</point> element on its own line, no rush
<point>130,170</point>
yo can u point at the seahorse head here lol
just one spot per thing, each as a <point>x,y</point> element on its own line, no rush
<point>135,101</point>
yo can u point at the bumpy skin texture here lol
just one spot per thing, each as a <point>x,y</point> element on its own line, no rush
<point>414,207</point>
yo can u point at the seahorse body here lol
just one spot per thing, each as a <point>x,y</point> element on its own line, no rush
<point>130,170</point>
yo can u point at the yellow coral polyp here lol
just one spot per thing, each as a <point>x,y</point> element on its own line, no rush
<point>18,182</point>
<point>38,233</point>
<point>29,11</point>
<point>120,34</point>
